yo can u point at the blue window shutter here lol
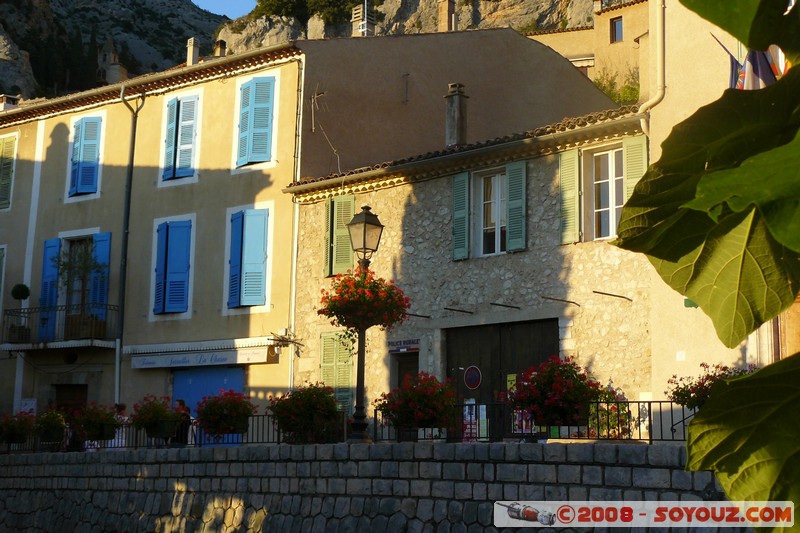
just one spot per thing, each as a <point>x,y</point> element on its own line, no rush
<point>77,139</point>
<point>89,155</point>
<point>261,120</point>
<point>186,137</point>
<point>245,114</point>
<point>235,261</point>
<point>169,142</point>
<point>515,206</point>
<point>343,210</point>
<point>161,268</point>
<point>176,299</point>
<point>98,286</point>
<point>635,154</point>
<point>254,257</point>
<point>569,174</point>
<point>7,152</point>
<point>461,216</point>
<point>49,296</point>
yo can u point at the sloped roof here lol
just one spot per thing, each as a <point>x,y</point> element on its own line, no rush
<point>549,138</point>
<point>621,6</point>
<point>149,83</point>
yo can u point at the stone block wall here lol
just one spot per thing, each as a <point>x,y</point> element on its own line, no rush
<point>327,487</point>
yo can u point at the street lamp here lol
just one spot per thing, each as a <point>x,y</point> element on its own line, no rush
<point>365,235</point>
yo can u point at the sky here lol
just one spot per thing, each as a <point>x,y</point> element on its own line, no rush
<point>232,8</point>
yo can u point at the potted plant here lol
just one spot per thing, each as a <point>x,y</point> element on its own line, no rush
<point>557,392</point>
<point>693,392</point>
<point>96,421</point>
<point>307,415</point>
<point>421,401</point>
<point>15,429</point>
<point>19,332</point>
<point>226,412</point>
<point>359,300</point>
<point>156,416</point>
<point>50,426</point>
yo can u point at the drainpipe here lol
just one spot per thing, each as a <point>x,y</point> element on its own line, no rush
<point>123,262</point>
<point>660,69</point>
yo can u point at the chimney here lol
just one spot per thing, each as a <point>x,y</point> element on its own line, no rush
<point>8,101</point>
<point>363,20</point>
<point>598,6</point>
<point>220,48</point>
<point>192,52</point>
<point>455,120</point>
<point>447,16</point>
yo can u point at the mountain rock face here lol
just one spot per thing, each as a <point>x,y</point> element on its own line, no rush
<point>49,47</point>
<point>416,16</point>
<point>57,35</point>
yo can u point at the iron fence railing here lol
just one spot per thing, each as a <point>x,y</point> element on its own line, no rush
<point>648,421</point>
<point>645,421</point>
<point>35,325</point>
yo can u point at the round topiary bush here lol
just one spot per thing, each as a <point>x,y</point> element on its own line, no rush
<point>20,291</point>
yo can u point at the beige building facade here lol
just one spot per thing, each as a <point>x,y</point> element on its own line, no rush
<point>209,261</point>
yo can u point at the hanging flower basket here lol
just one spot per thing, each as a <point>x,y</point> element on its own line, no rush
<point>359,300</point>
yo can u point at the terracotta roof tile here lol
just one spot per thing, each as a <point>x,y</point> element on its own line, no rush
<point>566,124</point>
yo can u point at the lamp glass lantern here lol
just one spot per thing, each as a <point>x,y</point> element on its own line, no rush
<point>365,233</point>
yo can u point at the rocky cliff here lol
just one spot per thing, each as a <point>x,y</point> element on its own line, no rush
<point>416,16</point>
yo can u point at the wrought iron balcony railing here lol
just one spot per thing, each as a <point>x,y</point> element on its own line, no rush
<point>42,325</point>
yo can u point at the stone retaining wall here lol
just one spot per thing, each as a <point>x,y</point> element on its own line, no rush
<point>327,487</point>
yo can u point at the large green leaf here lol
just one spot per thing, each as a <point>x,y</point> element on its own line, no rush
<point>757,23</point>
<point>738,275</point>
<point>748,432</point>
<point>770,180</point>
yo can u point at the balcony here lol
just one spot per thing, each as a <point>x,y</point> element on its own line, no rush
<point>59,326</point>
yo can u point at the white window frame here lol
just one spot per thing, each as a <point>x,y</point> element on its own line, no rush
<point>198,128</point>
<point>165,317</point>
<point>248,309</point>
<point>498,200</point>
<point>274,73</point>
<point>100,149</point>
<point>588,209</point>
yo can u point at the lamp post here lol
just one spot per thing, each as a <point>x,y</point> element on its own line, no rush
<point>365,235</point>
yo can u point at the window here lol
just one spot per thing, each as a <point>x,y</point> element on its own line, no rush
<point>8,147</point>
<point>179,145</point>
<point>85,162</point>
<point>616,29</point>
<point>248,258</point>
<point>595,184</point>
<point>255,121</point>
<point>336,366</point>
<point>85,263</point>
<point>338,250</point>
<point>489,212</point>
<point>173,253</point>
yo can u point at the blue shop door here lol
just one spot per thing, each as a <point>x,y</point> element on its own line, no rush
<point>192,384</point>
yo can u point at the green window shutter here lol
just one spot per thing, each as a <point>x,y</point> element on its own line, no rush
<point>461,216</point>
<point>336,363</point>
<point>7,150</point>
<point>343,209</point>
<point>328,238</point>
<point>515,206</point>
<point>569,174</point>
<point>635,154</point>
